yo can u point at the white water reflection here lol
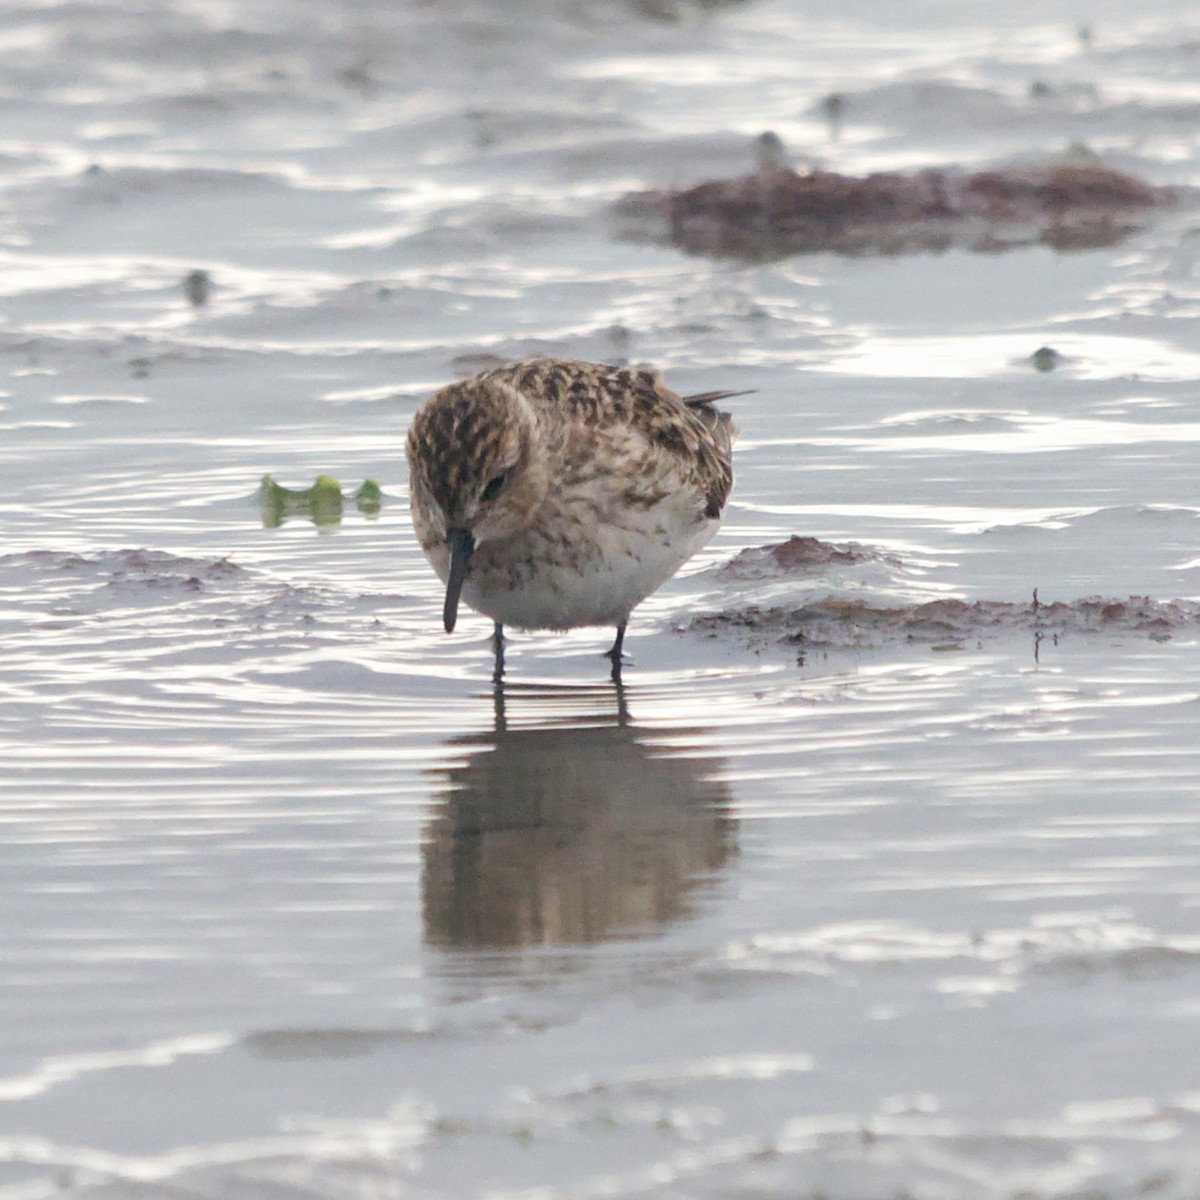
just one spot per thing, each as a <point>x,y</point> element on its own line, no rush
<point>288,908</point>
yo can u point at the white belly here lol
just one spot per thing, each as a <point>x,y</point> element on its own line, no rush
<point>574,570</point>
<point>600,590</point>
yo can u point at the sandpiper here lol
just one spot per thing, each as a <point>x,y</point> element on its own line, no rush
<point>552,494</point>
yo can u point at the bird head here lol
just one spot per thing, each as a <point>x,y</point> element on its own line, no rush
<point>474,467</point>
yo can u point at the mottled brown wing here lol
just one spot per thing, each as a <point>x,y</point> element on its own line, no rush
<point>698,435</point>
<point>696,432</point>
<point>721,430</point>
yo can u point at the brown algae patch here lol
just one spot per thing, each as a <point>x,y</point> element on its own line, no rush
<point>155,568</point>
<point>796,554</point>
<point>1076,202</point>
<point>838,622</point>
<point>857,622</point>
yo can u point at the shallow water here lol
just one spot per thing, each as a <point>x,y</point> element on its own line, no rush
<point>297,904</point>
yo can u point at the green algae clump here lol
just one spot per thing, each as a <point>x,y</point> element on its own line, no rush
<point>369,498</point>
<point>323,503</point>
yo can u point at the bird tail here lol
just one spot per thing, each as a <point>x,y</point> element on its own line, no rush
<point>703,399</point>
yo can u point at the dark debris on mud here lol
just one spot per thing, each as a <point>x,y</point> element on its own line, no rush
<point>1072,204</point>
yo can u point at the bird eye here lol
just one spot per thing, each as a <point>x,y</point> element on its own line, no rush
<point>494,486</point>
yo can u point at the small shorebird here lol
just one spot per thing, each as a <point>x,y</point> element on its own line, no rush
<point>552,494</point>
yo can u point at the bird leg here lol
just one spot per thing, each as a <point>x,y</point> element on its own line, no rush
<point>615,652</point>
<point>498,648</point>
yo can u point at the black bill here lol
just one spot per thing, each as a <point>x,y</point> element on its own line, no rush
<point>461,545</point>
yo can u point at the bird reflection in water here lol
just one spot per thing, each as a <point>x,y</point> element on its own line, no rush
<point>571,833</point>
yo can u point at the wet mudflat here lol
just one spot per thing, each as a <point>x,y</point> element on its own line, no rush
<point>874,877</point>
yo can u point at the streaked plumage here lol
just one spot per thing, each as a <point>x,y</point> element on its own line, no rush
<point>558,494</point>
